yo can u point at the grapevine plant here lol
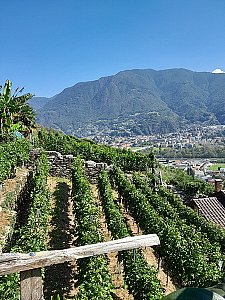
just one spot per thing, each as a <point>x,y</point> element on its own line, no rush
<point>12,154</point>
<point>171,204</point>
<point>89,150</point>
<point>94,279</point>
<point>34,234</point>
<point>141,278</point>
<point>190,257</point>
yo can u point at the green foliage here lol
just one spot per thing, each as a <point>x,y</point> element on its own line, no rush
<point>89,150</point>
<point>9,201</point>
<point>9,287</point>
<point>15,113</point>
<point>58,297</point>
<point>189,185</point>
<point>198,151</point>
<point>33,235</point>
<point>190,257</point>
<point>141,279</point>
<point>217,167</point>
<point>13,154</point>
<point>214,232</point>
<point>170,206</point>
<point>94,279</point>
<point>114,218</point>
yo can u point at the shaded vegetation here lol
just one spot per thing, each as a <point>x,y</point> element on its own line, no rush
<point>58,278</point>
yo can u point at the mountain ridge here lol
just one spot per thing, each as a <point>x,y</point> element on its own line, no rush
<point>179,96</point>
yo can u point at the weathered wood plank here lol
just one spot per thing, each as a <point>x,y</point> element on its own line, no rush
<point>31,285</point>
<point>16,262</point>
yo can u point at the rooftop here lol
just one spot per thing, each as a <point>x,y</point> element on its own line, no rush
<point>211,209</point>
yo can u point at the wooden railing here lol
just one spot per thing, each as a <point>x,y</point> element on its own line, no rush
<point>29,265</point>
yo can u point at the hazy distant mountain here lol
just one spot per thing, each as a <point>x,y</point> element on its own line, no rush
<point>136,101</point>
<point>38,102</point>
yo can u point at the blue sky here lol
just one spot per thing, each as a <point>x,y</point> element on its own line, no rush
<point>47,45</point>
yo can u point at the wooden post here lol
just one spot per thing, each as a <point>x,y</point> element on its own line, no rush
<point>31,285</point>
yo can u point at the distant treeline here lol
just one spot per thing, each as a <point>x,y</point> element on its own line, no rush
<point>206,151</point>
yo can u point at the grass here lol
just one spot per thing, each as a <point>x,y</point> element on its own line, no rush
<point>217,166</point>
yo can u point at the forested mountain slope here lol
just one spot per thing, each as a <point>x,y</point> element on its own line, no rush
<point>138,102</point>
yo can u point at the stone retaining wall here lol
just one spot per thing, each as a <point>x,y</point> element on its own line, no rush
<point>93,169</point>
<point>60,166</point>
<point>12,194</point>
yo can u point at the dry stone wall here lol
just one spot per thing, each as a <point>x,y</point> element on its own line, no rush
<point>93,169</point>
<point>11,197</point>
<point>60,166</point>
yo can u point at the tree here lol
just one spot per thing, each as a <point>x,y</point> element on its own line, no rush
<point>15,112</point>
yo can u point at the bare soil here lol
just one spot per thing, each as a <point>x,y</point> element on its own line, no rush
<point>4,221</point>
<point>62,235</point>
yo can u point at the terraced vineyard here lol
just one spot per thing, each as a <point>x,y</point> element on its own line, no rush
<point>58,213</point>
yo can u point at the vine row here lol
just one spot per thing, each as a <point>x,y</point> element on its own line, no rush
<point>13,154</point>
<point>33,235</point>
<point>94,279</point>
<point>141,278</point>
<point>89,150</point>
<point>189,257</point>
<point>170,204</point>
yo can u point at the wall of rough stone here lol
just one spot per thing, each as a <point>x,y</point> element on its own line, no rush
<point>93,169</point>
<point>11,196</point>
<point>60,166</point>
<point>34,153</point>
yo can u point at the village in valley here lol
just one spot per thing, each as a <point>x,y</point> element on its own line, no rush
<point>187,140</point>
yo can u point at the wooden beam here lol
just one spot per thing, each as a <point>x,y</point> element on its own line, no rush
<point>31,285</point>
<point>16,262</point>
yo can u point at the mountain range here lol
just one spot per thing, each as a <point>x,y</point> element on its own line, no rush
<point>136,102</point>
